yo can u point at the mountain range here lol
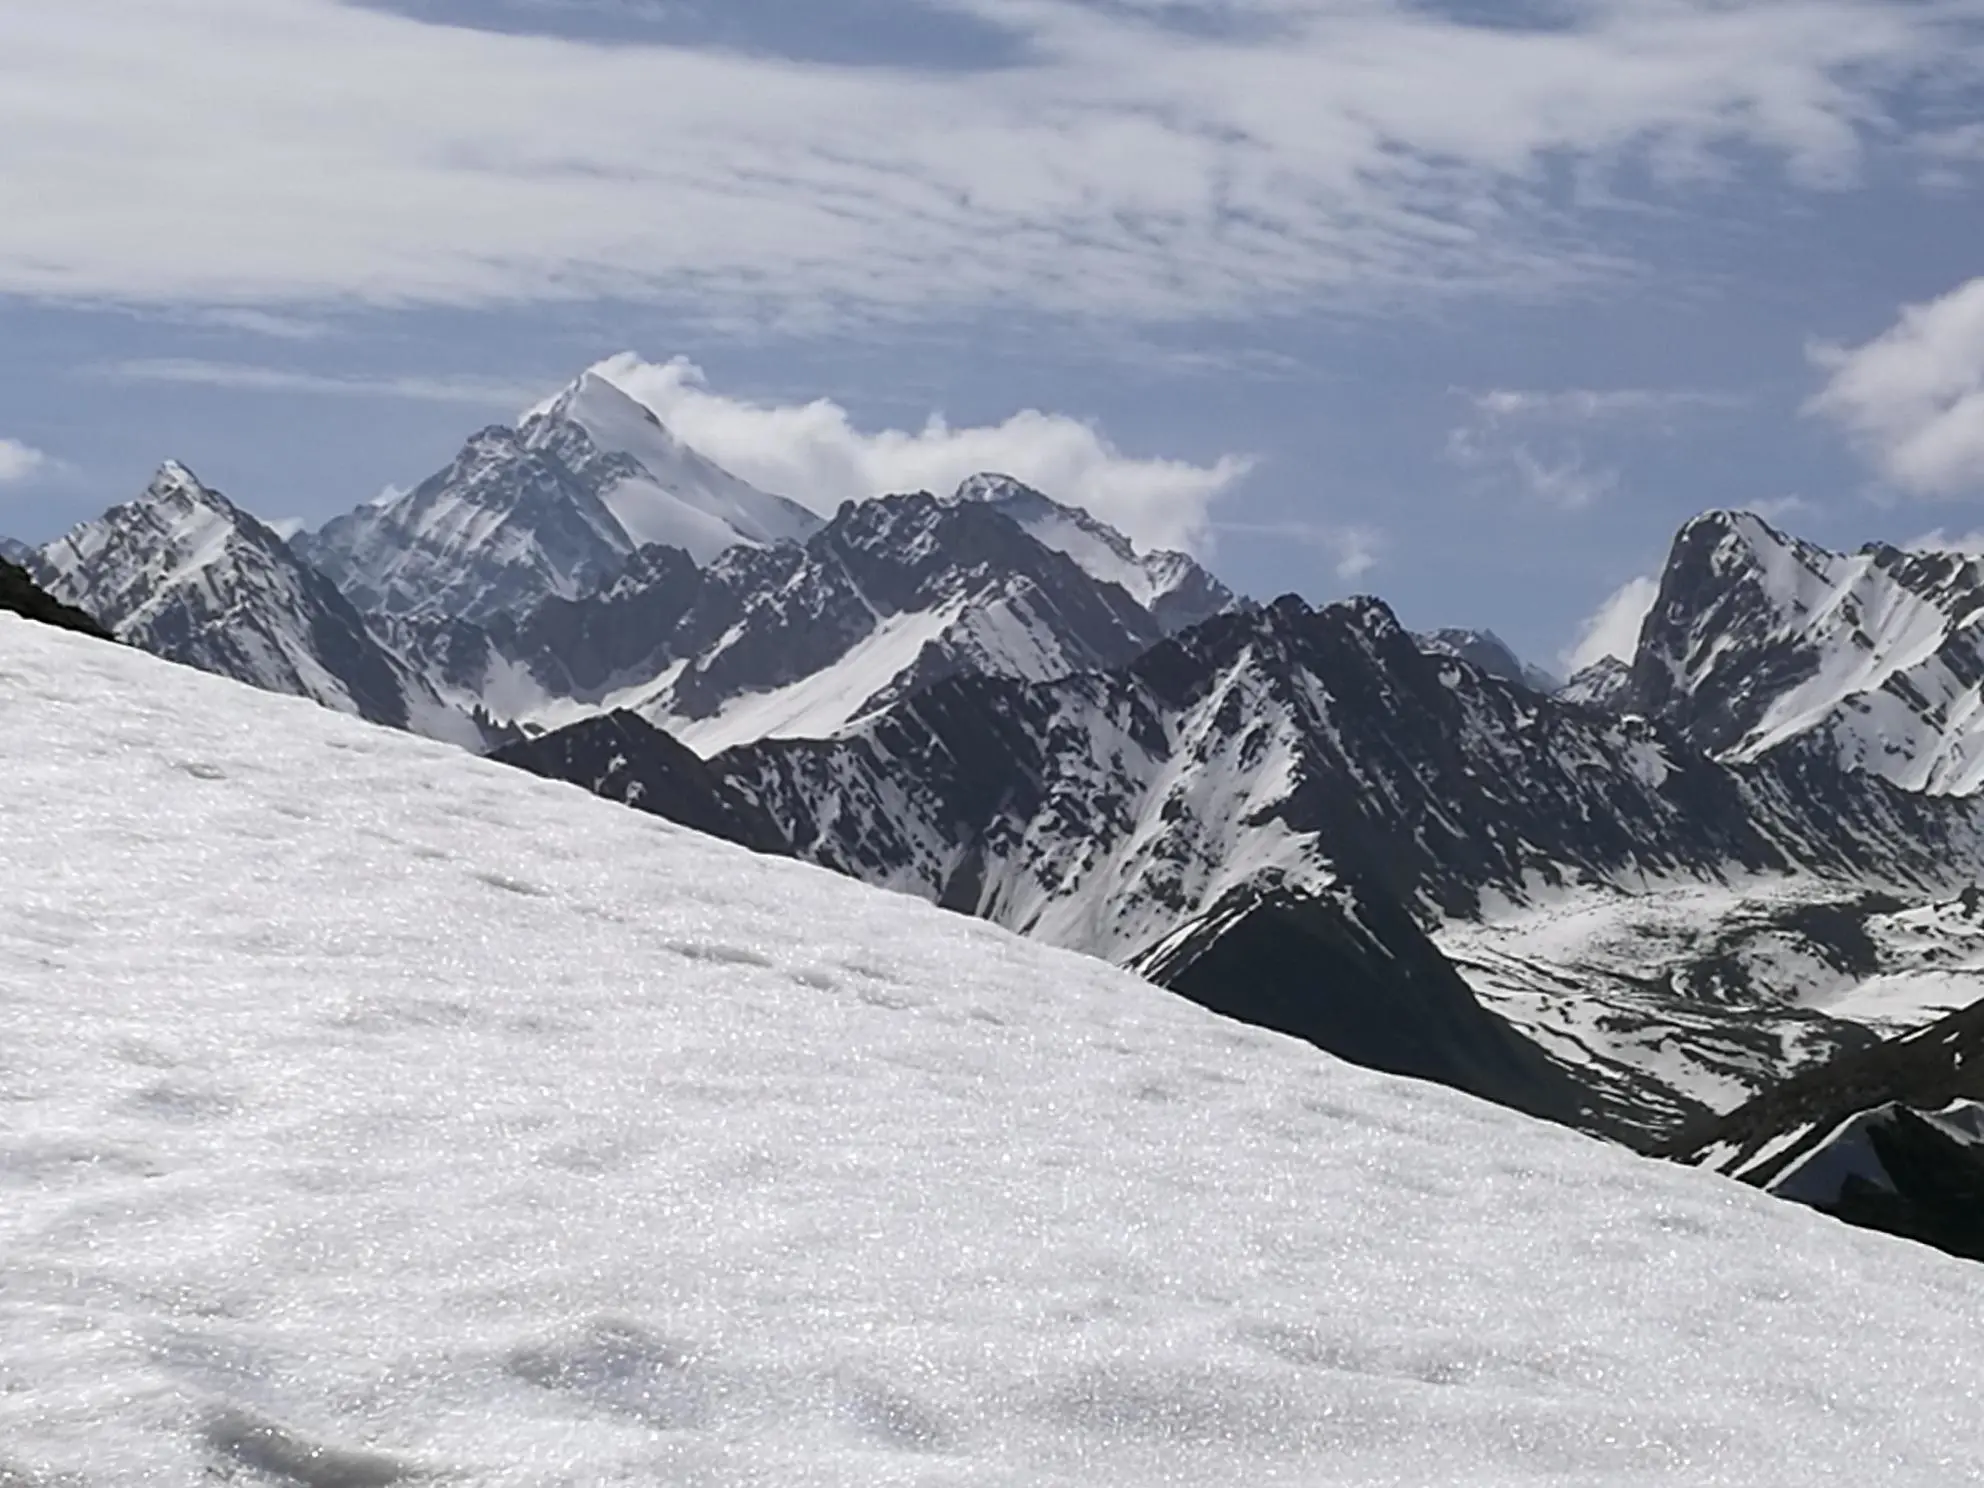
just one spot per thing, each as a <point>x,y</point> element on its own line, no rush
<point>1630,901</point>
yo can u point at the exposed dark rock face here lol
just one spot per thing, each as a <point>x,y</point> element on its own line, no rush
<point>1311,740</point>
<point>21,595</point>
<point>1888,1137</point>
<point>1351,972</point>
<point>627,759</point>
<point>1489,652</point>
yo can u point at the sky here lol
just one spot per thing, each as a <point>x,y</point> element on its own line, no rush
<point>1468,305</point>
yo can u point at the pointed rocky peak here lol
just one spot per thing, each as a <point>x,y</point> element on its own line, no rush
<point>178,523</point>
<point>1171,585</point>
<point>669,491</point>
<point>1489,652</point>
<point>186,574</point>
<point>1606,685</point>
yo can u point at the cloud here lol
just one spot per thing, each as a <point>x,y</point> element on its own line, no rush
<point>1531,439</point>
<point>1110,161</point>
<point>814,453</point>
<point>1970,544</point>
<point>20,462</point>
<point>1594,405</point>
<point>1912,398</point>
<point>1562,481</point>
<point>1354,548</point>
<point>1614,628</point>
<point>476,392</point>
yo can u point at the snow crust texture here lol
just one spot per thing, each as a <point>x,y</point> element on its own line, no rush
<point>378,1114</point>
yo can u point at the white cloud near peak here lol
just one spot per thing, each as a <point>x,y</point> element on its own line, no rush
<point>1112,166</point>
<point>816,454</point>
<point>1912,398</point>
<point>1613,629</point>
<point>20,462</point>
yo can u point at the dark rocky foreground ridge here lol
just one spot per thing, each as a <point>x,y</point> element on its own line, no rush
<point>1913,1175</point>
<point>627,759</point>
<point>21,595</point>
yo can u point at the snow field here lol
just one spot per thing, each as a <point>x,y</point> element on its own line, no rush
<point>369,1112</point>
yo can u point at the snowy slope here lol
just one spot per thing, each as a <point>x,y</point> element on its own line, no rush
<point>551,507</point>
<point>374,1111</point>
<point>1757,638</point>
<point>186,574</point>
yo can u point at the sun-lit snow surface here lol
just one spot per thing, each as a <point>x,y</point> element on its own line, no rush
<point>372,1109</point>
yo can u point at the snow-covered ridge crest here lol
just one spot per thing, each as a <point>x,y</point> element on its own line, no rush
<point>382,1112</point>
<point>1757,638</point>
<point>549,508</point>
<point>185,573</point>
<point>1170,584</point>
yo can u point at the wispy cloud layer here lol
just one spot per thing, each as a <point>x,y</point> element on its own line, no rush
<point>307,150</point>
<point>474,392</point>
<point>815,453</point>
<point>1912,398</point>
<point>1532,439</point>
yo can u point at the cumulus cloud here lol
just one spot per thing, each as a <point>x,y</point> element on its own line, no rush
<point>1613,629</point>
<point>1110,161</point>
<point>19,462</point>
<point>815,453</point>
<point>1912,398</point>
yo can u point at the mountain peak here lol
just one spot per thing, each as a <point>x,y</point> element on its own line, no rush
<point>1171,585</point>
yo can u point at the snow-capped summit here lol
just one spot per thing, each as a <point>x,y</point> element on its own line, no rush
<point>1173,586</point>
<point>549,507</point>
<point>185,573</point>
<point>1757,638</point>
<point>680,498</point>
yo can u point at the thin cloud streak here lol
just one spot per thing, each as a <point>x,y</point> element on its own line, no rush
<point>469,391</point>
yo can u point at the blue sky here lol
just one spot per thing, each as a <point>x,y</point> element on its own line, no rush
<point>1466,305</point>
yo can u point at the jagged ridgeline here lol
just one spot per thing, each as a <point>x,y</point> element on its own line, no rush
<point>1631,901</point>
